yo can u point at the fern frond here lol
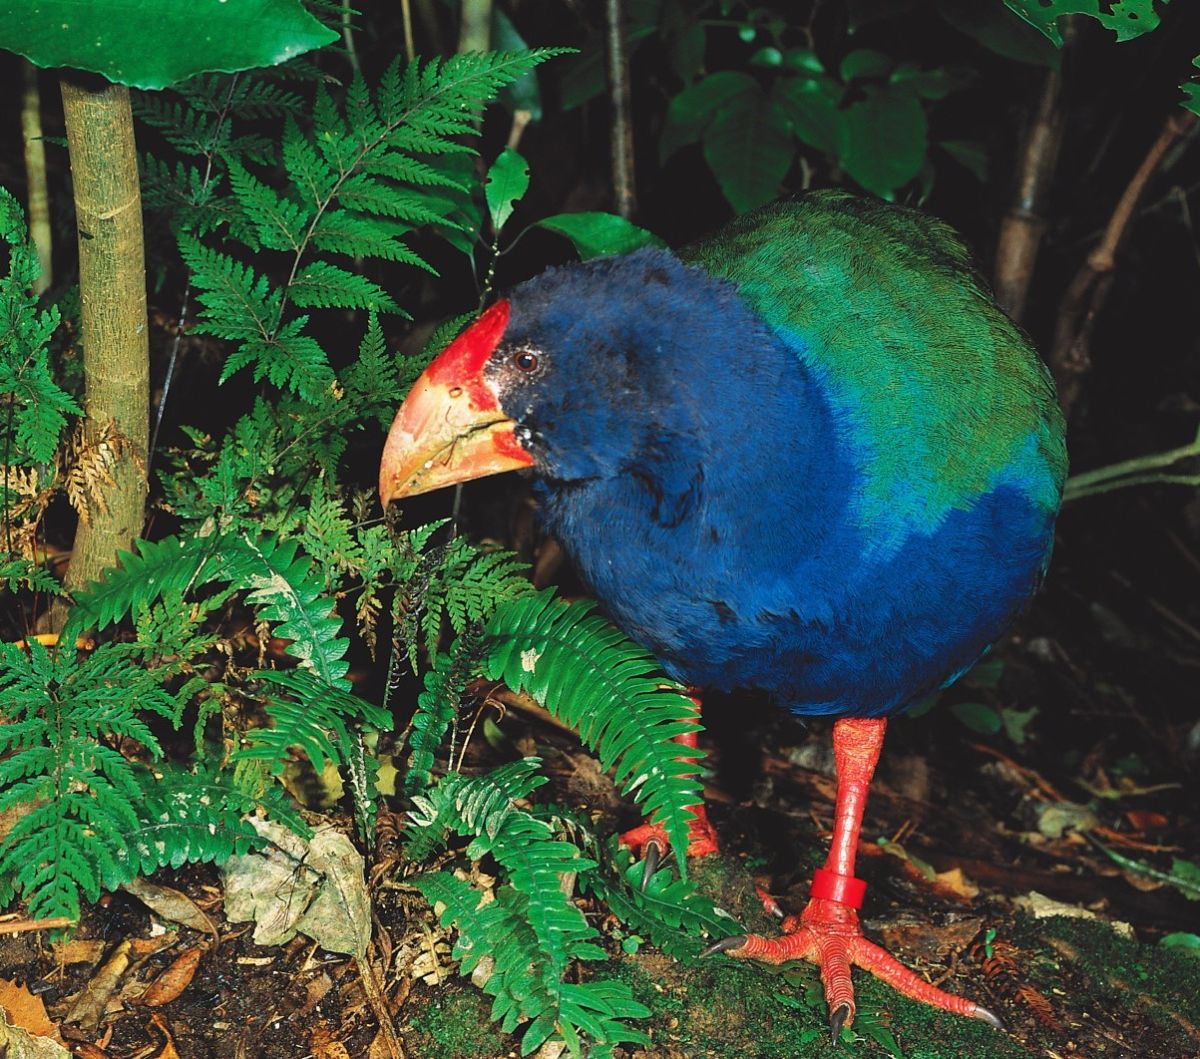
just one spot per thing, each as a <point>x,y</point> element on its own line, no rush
<point>290,594</point>
<point>315,717</point>
<point>325,286</point>
<point>610,691</point>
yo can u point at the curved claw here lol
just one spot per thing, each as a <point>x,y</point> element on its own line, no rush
<point>734,941</point>
<point>654,857</point>
<point>837,1020</point>
<point>984,1015</point>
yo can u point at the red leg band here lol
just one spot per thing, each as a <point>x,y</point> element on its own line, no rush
<point>844,889</point>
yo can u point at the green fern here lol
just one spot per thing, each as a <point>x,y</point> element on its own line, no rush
<point>79,795</point>
<point>315,716</point>
<point>586,673</point>
<point>37,408</point>
<point>437,708</point>
<point>190,816</point>
<point>358,184</point>
<point>536,932</point>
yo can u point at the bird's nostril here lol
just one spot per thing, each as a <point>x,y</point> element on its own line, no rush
<point>456,391</point>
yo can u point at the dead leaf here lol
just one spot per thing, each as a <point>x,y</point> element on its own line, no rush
<point>955,883</point>
<point>88,1006</point>
<point>171,905</point>
<point>326,1046</point>
<point>174,980</point>
<point>79,950</point>
<point>17,1043</point>
<point>26,1011</point>
<point>168,1049</point>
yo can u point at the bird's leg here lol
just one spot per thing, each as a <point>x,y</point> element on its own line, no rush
<point>827,932</point>
<point>650,839</point>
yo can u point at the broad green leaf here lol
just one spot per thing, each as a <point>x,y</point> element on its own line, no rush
<point>803,60</point>
<point>1000,30</point>
<point>883,139</point>
<point>865,62</point>
<point>695,107</point>
<point>978,716</point>
<point>599,234</point>
<point>507,182</point>
<point>748,146</point>
<point>812,106</point>
<point>156,43</point>
<point>1126,18</point>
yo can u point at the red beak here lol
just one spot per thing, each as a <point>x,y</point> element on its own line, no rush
<point>451,428</point>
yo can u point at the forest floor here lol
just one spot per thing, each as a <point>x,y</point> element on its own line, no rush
<point>1029,843</point>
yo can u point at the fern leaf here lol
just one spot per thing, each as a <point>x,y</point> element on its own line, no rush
<point>326,286</point>
<point>280,224</point>
<point>589,676</point>
<point>291,595</point>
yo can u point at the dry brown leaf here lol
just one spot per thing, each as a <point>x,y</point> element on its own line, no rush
<point>88,1006</point>
<point>170,904</point>
<point>26,1011</point>
<point>79,950</point>
<point>168,1049</point>
<point>326,1046</point>
<point>956,883</point>
<point>174,980</point>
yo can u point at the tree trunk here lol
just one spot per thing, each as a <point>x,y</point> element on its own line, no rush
<point>112,292</point>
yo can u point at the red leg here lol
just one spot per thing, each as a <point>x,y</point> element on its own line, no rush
<point>651,840</point>
<point>827,932</point>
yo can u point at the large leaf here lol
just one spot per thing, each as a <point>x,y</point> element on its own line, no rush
<point>507,182</point>
<point>598,234</point>
<point>1126,18</point>
<point>692,109</point>
<point>749,148</point>
<point>883,139</point>
<point>1000,30</point>
<point>811,103</point>
<point>156,43</point>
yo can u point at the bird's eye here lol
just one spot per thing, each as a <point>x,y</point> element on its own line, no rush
<point>525,360</point>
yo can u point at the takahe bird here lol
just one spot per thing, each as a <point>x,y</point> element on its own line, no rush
<point>808,455</point>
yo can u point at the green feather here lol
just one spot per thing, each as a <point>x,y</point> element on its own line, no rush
<point>939,394</point>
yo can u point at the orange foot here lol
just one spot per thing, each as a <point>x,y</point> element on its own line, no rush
<point>650,841</point>
<point>828,934</point>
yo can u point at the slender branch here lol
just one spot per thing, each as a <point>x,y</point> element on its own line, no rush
<point>1141,470</point>
<point>617,61</point>
<point>35,174</point>
<point>1070,354</point>
<point>1024,225</point>
<point>410,47</point>
<point>348,37</point>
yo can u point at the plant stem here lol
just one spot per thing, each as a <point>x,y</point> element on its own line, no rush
<point>1070,354</point>
<point>112,294</point>
<point>1024,225</point>
<point>475,29</point>
<point>35,173</point>
<point>617,59</point>
<point>1142,470</point>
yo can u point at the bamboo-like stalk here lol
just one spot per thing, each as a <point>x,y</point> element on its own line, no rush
<point>112,292</point>
<point>35,173</point>
<point>1024,224</point>
<point>475,29</point>
<point>617,59</point>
